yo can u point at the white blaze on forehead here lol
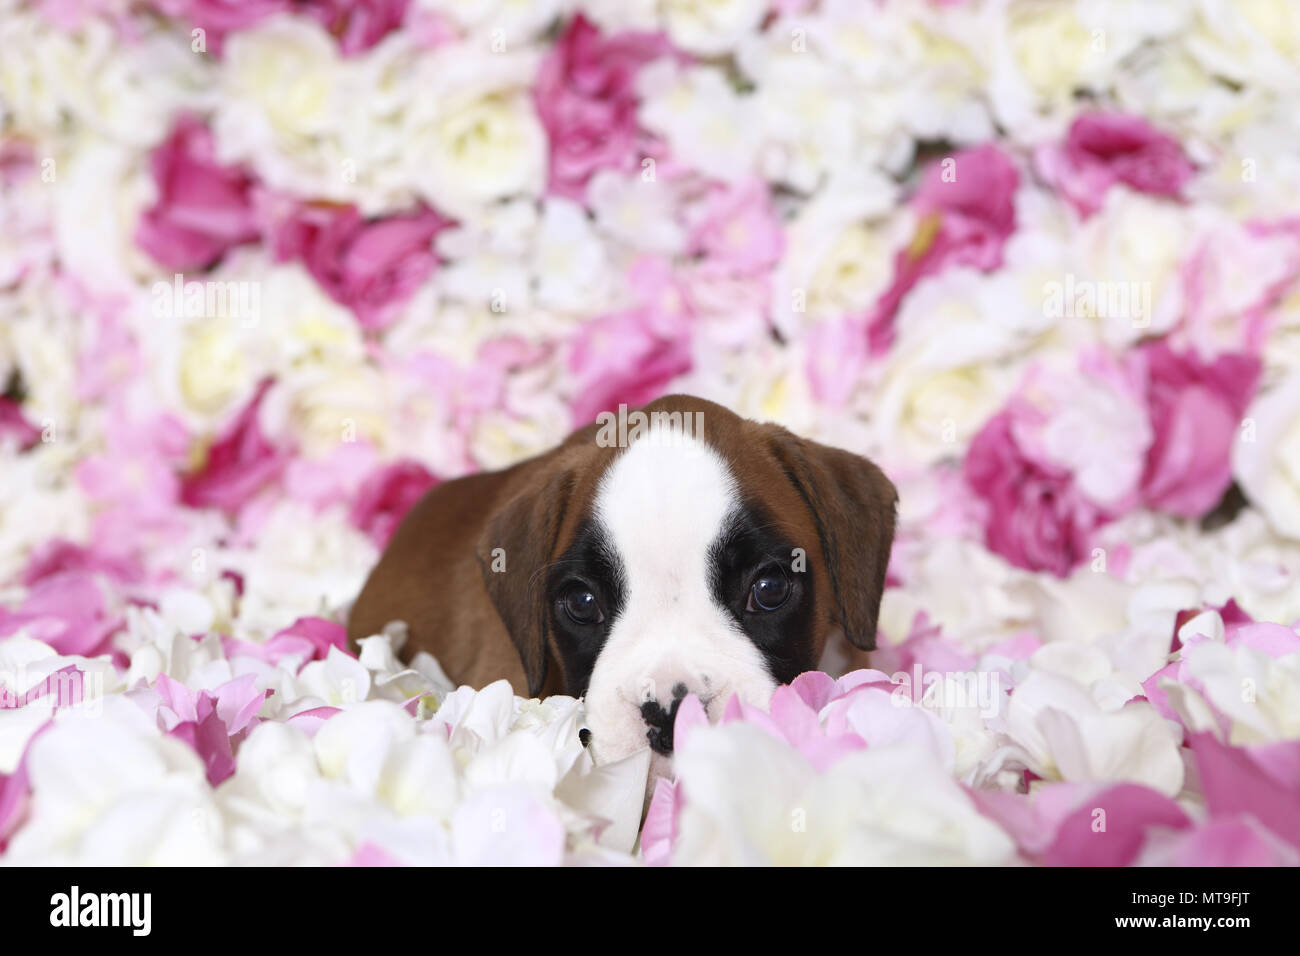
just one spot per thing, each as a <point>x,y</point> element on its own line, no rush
<point>661,505</point>
<point>663,502</point>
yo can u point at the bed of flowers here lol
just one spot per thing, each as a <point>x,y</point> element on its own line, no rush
<point>269,269</point>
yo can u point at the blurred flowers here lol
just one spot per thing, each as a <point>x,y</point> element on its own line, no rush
<point>1054,290</point>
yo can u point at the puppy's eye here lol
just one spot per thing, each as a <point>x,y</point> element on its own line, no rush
<point>770,591</point>
<point>582,607</point>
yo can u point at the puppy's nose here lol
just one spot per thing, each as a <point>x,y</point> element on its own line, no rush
<point>659,721</point>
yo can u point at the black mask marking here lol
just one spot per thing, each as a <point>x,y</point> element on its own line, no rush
<point>591,563</point>
<point>750,544</point>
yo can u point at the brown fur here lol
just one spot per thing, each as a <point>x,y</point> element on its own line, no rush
<point>483,625</point>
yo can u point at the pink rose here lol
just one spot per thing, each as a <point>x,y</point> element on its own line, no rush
<point>356,24</point>
<point>238,465</point>
<point>620,359</point>
<point>630,357</point>
<point>1195,409</point>
<point>14,427</point>
<point>386,496</point>
<point>203,208</point>
<point>58,555</point>
<point>738,232</point>
<point>967,212</point>
<point>1035,516</point>
<point>371,267</point>
<point>69,611</point>
<point>586,100</point>
<point>1102,149</point>
<point>216,18</point>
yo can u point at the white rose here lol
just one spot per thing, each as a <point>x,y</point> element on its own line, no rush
<point>1132,253</point>
<point>755,800</point>
<point>1266,455</point>
<point>711,27</point>
<point>637,213</point>
<point>1249,41</point>
<point>473,153</point>
<point>1259,694</point>
<point>949,370</point>
<point>708,125</point>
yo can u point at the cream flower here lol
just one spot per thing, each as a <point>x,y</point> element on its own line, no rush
<point>113,789</point>
<point>1072,725</point>
<point>707,124</point>
<point>887,805</point>
<point>710,27</point>
<point>1266,456</point>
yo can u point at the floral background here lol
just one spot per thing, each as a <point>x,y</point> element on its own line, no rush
<point>1040,260</point>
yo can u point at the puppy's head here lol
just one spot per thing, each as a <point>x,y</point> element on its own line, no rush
<point>696,552</point>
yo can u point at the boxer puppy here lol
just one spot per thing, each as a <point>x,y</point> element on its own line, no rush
<point>694,552</point>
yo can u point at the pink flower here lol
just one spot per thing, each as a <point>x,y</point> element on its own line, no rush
<point>1103,149</point>
<point>16,792</point>
<point>659,832</point>
<point>203,209</point>
<point>966,208</point>
<point>1236,783</point>
<point>372,267</point>
<point>387,495</point>
<point>619,359</point>
<point>1224,842</point>
<point>1195,409</point>
<point>1035,516</point>
<point>738,232</point>
<point>974,200</point>
<point>357,24</point>
<point>58,555</point>
<point>309,638</point>
<point>16,428</point>
<point>370,855</point>
<point>335,478</point>
<point>238,465</point>
<point>69,611</point>
<point>1132,814</point>
<point>630,357</point>
<point>136,470</point>
<point>586,100</point>
<point>212,722</point>
<point>838,351</point>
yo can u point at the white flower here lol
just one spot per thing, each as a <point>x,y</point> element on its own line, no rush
<point>125,91</point>
<point>711,27</point>
<point>707,124</point>
<point>1134,246</point>
<point>570,265</point>
<point>1070,717</point>
<point>1249,41</point>
<point>1259,694</point>
<point>949,371</point>
<point>474,142</point>
<point>503,23</point>
<point>642,215</point>
<point>751,799</point>
<point>1266,458</point>
<point>113,789</point>
<point>305,562</point>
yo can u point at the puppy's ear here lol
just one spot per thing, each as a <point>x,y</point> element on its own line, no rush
<point>513,553</point>
<point>853,507</point>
